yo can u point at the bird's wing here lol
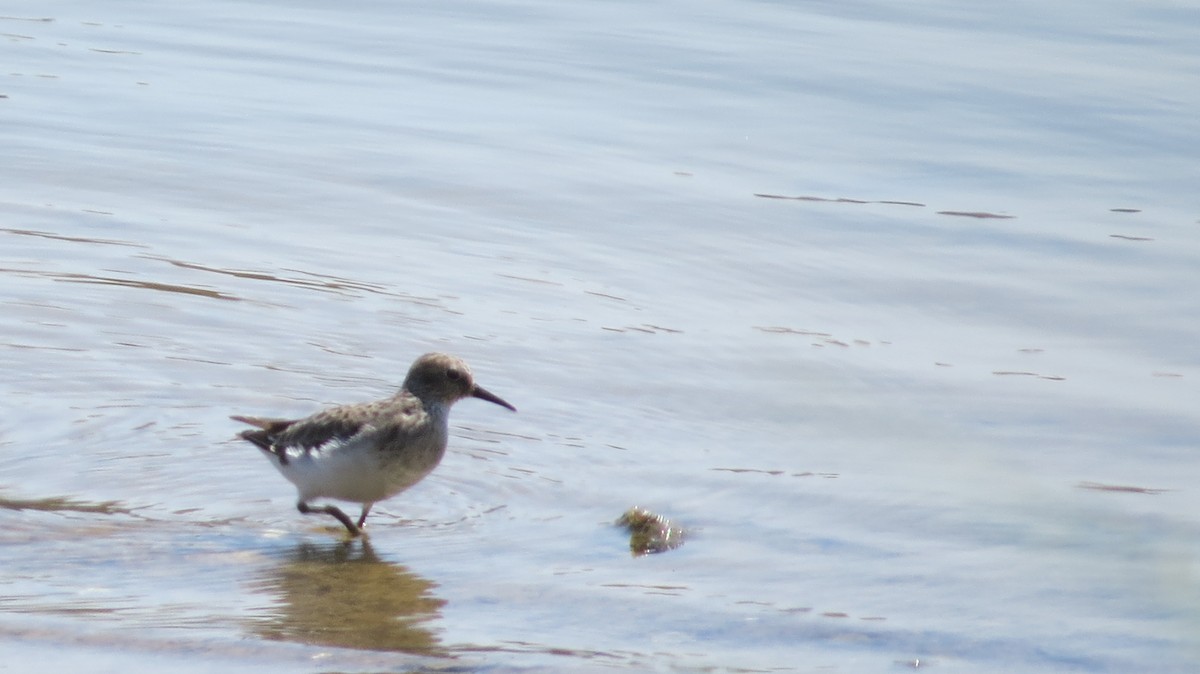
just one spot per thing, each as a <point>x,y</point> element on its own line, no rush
<point>336,424</point>
<point>275,435</point>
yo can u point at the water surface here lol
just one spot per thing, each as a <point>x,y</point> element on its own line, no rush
<point>891,307</point>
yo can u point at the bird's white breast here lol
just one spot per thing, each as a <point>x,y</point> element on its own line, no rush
<point>358,469</point>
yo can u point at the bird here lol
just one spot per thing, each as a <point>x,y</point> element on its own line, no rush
<point>368,452</point>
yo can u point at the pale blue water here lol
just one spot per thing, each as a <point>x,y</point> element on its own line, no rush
<point>902,436</point>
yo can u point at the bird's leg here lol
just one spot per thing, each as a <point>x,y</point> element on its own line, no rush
<point>331,510</point>
<point>363,517</point>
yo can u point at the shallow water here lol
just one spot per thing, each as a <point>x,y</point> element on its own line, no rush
<point>891,308</point>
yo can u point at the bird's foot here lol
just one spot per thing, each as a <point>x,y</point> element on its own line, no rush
<point>354,529</point>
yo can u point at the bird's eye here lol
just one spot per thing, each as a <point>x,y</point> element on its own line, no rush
<point>453,374</point>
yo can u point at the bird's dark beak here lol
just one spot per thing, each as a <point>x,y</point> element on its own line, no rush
<point>481,392</point>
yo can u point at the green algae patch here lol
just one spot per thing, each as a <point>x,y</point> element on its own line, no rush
<point>60,504</point>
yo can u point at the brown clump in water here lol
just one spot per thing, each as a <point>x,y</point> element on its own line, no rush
<point>648,532</point>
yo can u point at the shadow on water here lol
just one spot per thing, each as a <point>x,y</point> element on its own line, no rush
<point>343,595</point>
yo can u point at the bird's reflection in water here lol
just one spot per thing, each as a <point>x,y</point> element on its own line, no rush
<point>343,595</point>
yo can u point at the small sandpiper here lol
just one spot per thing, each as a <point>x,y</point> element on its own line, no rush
<point>369,452</point>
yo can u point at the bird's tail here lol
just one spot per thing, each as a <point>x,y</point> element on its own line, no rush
<point>262,438</point>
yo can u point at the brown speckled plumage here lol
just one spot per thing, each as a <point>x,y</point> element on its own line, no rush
<point>368,452</point>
